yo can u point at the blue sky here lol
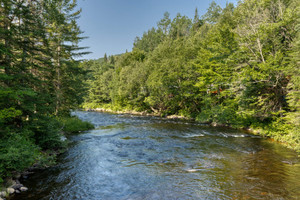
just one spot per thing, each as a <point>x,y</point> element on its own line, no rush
<point>112,25</point>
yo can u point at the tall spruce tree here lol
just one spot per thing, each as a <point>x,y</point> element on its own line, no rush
<point>64,35</point>
<point>105,59</point>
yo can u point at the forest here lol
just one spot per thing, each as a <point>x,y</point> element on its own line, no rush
<point>236,66</point>
<point>41,82</point>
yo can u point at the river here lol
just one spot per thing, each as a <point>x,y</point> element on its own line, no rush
<point>139,157</point>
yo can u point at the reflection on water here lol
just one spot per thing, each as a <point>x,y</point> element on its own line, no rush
<point>130,157</point>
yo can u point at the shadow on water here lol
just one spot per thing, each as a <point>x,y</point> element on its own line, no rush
<point>130,157</point>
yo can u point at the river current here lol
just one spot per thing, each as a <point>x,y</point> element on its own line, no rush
<point>139,157</point>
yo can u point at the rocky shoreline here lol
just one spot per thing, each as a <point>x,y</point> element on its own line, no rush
<point>132,112</point>
<point>13,185</point>
<point>121,112</point>
<point>144,113</point>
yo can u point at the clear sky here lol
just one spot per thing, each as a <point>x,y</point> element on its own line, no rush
<point>112,25</point>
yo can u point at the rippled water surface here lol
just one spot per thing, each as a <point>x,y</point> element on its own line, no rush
<point>132,157</point>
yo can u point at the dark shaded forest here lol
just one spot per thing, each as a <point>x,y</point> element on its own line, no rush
<point>40,81</point>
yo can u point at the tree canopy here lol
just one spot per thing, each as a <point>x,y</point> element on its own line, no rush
<point>40,78</point>
<point>235,66</point>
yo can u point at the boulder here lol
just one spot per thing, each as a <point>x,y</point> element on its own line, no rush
<point>10,190</point>
<point>17,186</point>
<point>23,189</point>
<point>192,170</point>
<point>3,194</point>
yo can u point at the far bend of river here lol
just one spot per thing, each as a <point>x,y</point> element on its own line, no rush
<point>135,157</point>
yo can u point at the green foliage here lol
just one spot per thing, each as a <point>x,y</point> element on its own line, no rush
<point>17,152</point>
<point>39,78</point>
<point>74,125</point>
<point>236,66</point>
<point>164,24</point>
<point>47,132</point>
<point>213,13</point>
<point>8,114</point>
<point>150,40</point>
<point>223,114</point>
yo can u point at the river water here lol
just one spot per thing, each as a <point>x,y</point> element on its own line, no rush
<point>135,157</point>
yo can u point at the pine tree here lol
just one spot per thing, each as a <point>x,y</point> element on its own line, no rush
<point>64,35</point>
<point>112,60</point>
<point>22,57</point>
<point>105,58</point>
<point>213,13</point>
<point>197,23</point>
<point>164,24</point>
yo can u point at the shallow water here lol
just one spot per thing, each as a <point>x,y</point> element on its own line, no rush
<point>134,157</point>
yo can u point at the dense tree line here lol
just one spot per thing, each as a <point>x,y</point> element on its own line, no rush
<point>235,65</point>
<point>40,80</point>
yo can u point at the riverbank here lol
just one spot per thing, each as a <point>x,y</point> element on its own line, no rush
<point>133,112</point>
<point>12,185</point>
<point>40,157</point>
<point>144,113</point>
<point>271,131</point>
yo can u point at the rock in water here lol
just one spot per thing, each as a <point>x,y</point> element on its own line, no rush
<point>10,190</point>
<point>191,170</point>
<point>23,189</point>
<point>3,194</point>
<point>17,186</point>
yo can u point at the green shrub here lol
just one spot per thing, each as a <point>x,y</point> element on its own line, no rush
<point>17,152</point>
<point>75,125</point>
<point>282,131</point>
<point>47,158</point>
<point>21,147</point>
<point>47,133</point>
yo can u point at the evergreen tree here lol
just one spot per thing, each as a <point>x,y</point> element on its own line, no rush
<point>197,23</point>
<point>180,26</point>
<point>213,13</point>
<point>112,60</point>
<point>64,36</point>
<point>164,24</point>
<point>150,40</point>
<point>37,48</point>
<point>105,59</point>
